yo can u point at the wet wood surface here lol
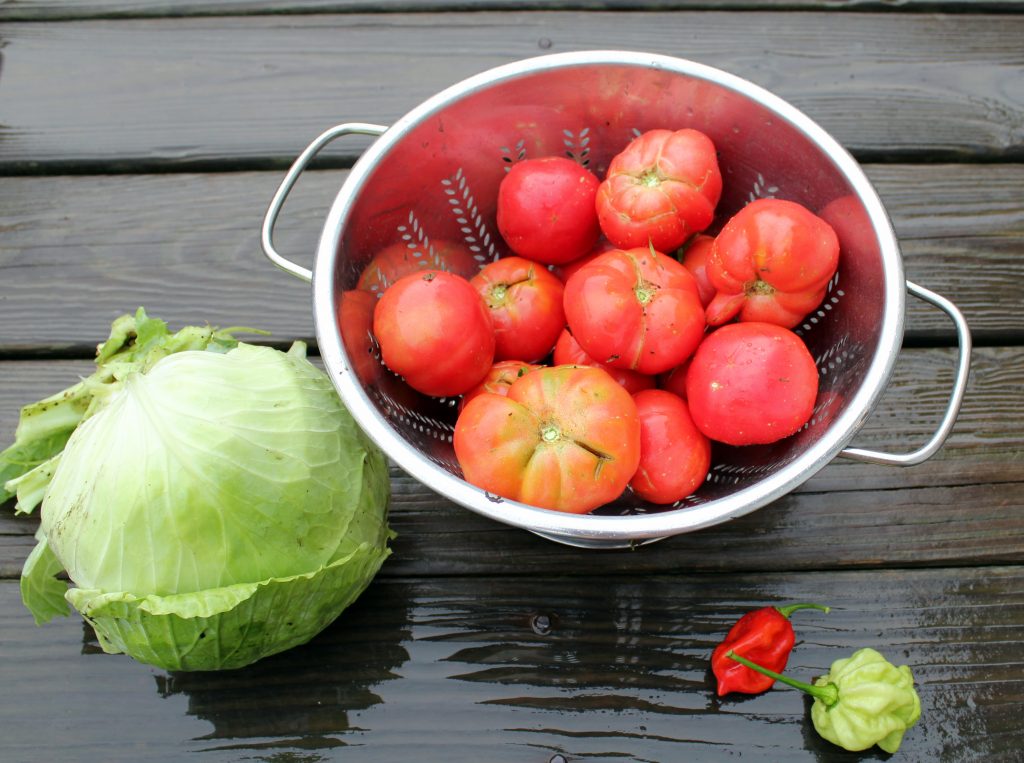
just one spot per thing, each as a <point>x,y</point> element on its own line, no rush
<point>198,235</point>
<point>139,145</point>
<point>252,91</point>
<point>528,668</point>
<point>35,10</point>
<point>964,506</point>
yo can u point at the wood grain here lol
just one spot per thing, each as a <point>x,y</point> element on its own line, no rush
<point>522,669</point>
<point>50,10</point>
<point>201,92</point>
<point>78,251</point>
<point>964,506</point>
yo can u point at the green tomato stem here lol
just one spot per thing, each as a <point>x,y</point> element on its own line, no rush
<point>787,611</point>
<point>829,694</point>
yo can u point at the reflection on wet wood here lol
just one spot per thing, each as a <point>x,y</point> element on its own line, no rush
<point>523,669</point>
<point>479,642</point>
<point>233,92</point>
<point>81,250</point>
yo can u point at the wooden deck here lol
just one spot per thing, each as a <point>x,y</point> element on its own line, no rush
<point>139,146</point>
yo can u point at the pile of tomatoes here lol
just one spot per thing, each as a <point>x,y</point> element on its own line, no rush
<point>617,341</point>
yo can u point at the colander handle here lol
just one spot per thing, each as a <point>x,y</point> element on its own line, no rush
<point>963,367</point>
<point>274,210</point>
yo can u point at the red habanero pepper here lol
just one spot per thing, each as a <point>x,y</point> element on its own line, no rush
<point>764,636</point>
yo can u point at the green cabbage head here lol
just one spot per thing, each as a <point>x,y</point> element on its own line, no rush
<point>218,508</point>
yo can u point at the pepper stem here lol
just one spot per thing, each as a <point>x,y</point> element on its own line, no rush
<point>787,611</point>
<point>829,694</point>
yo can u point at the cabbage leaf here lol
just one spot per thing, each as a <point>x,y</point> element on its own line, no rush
<point>209,507</point>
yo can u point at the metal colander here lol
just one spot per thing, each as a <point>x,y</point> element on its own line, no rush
<point>432,178</point>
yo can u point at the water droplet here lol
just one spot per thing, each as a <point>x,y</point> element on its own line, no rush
<point>541,624</point>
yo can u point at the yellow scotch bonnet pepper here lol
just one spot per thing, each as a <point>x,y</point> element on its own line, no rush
<point>862,701</point>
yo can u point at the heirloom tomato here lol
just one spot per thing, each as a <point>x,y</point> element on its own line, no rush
<point>695,259</point>
<point>771,263</point>
<point>661,189</point>
<point>565,438</point>
<point>674,455</point>
<point>751,383</point>
<point>525,302</point>
<point>435,332</point>
<point>635,309</point>
<point>546,209</point>
<point>501,376</point>
<point>569,352</point>
<point>400,259</point>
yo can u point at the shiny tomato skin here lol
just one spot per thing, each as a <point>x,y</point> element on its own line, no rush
<point>635,309</point>
<point>399,259</point>
<point>771,263</point>
<point>501,376</point>
<point>661,189</point>
<point>569,352</point>
<point>525,303</point>
<point>695,259</point>
<point>751,384</point>
<point>546,209</point>
<point>675,456</point>
<point>565,438</point>
<point>435,332</point>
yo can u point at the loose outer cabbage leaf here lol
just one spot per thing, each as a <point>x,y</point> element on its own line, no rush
<point>136,342</point>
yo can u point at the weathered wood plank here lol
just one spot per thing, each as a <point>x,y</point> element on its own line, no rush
<point>204,91</point>
<point>78,251</point>
<point>470,669</point>
<point>964,506</point>
<point>49,10</point>
<point>922,527</point>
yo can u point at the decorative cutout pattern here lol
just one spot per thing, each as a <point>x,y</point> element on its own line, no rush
<point>467,215</point>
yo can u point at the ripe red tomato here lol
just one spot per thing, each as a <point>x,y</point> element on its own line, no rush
<point>564,272</point>
<point>695,258</point>
<point>565,438</point>
<point>751,383</point>
<point>660,190</point>
<point>635,309</point>
<point>853,227</point>
<point>546,209</point>
<point>569,353</point>
<point>674,455</point>
<point>355,322</point>
<point>501,376</point>
<point>674,380</point>
<point>525,302</point>
<point>435,332</point>
<point>399,259</point>
<point>771,263</point>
